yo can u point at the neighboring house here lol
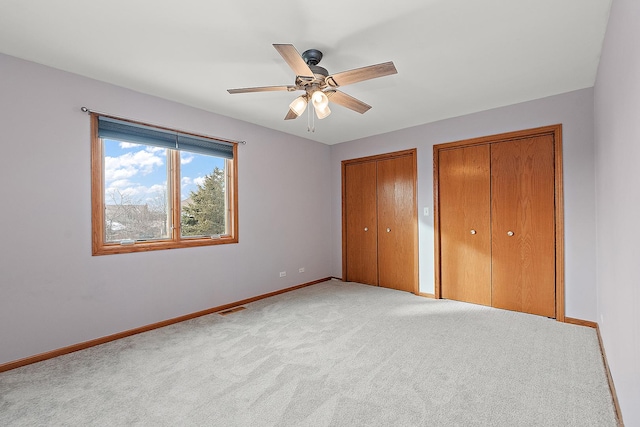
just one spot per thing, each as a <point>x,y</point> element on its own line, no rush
<point>133,222</point>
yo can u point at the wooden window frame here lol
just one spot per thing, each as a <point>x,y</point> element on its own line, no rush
<point>175,240</point>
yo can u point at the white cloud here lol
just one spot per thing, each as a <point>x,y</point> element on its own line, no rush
<point>131,177</point>
<point>130,164</point>
<point>185,158</point>
<point>126,192</point>
<point>192,182</point>
<point>121,183</point>
<point>158,189</point>
<point>149,148</point>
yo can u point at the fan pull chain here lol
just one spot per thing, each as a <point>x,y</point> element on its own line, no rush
<point>311,119</point>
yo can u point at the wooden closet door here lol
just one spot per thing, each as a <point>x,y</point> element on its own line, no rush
<point>361,223</point>
<point>465,224</point>
<point>397,223</point>
<point>523,225</point>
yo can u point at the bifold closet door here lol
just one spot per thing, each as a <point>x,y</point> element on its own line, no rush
<point>396,223</point>
<point>361,223</point>
<point>465,224</point>
<point>523,225</point>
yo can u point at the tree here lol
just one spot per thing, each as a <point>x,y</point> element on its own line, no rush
<point>204,213</point>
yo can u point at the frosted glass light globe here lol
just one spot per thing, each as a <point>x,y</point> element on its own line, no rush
<point>322,112</point>
<point>320,100</point>
<point>298,105</point>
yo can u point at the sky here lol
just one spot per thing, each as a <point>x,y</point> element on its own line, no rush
<point>139,172</point>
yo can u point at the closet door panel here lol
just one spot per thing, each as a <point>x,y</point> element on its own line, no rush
<point>465,224</point>
<point>397,223</point>
<point>523,225</point>
<point>361,223</point>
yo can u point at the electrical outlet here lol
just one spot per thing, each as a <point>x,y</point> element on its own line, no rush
<point>283,273</point>
<point>301,270</point>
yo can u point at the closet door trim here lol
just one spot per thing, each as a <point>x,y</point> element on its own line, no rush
<point>386,156</point>
<point>556,131</point>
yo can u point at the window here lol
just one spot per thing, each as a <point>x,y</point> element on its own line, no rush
<point>154,188</point>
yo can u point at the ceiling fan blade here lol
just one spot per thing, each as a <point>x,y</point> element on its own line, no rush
<point>293,58</point>
<point>262,89</point>
<point>347,101</point>
<point>290,115</point>
<point>359,74</point>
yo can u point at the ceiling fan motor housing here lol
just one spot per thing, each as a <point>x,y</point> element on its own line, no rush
<point>319,71</point>
<point>312,56</point>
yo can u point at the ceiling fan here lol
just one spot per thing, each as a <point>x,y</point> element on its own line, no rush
<point>319,86</point>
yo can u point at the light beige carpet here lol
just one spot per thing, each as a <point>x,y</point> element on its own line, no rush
<point>333,354</point>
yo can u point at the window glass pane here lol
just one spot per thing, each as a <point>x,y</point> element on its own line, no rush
<point>203,186</point>
<point>135,192</point>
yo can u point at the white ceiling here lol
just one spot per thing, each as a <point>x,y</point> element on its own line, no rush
<point>453,57</point>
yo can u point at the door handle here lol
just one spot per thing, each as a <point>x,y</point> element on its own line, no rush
<point>388,230</point>
<point>366,229</point>
<point>510,233</point>
<point>473,231</point>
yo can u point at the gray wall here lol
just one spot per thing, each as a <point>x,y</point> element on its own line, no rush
<point>53,293</point>
<point>617,124</point>
<point>574,110</point>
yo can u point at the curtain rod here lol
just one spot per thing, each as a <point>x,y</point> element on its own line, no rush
<point>89,111</point>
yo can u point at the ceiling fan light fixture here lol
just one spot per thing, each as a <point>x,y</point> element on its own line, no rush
<point>322,112</point>
<point>298,105</point>
<point>320,100</point>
